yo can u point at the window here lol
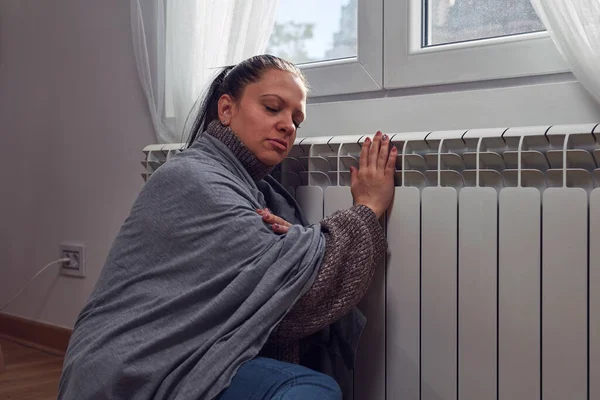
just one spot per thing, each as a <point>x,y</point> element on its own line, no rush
<point>302,35</point>
<point>416,61</point>
<point>349,46</point>
<point>464,41</point>
<point>333,38</point>
<point>452,21</point>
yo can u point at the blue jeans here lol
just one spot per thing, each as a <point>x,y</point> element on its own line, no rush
<point>268,379</point>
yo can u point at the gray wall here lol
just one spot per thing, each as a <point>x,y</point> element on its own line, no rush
<point>73,121</point>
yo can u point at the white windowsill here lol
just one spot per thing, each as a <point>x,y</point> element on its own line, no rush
<point>551,100</point>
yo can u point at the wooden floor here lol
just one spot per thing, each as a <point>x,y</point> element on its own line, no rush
<point>30,374</point>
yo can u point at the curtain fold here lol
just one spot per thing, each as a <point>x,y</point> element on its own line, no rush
<point>179,46</point>
<point>574,26</point>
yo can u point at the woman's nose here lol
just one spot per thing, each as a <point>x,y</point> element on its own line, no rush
<point>287,127</point>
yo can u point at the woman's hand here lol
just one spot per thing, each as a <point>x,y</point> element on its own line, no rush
<point>373,183</point>
<point>278,224</point>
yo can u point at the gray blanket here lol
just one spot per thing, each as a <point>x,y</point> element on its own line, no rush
<point>193,284</point>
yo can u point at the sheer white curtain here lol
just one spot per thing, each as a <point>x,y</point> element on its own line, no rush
<point>575,29</point>
<point>179,46</point>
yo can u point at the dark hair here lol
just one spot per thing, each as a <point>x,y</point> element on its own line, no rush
<point>232,80</point>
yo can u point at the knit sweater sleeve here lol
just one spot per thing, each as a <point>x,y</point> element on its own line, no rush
<point>355,245</point>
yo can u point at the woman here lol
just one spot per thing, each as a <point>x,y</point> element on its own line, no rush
<point>208,294</point>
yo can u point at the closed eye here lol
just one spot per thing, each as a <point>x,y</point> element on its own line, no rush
<point>274,111</point>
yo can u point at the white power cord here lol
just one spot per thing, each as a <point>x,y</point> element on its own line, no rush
<point>61,260</point>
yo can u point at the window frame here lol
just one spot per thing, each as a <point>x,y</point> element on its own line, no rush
<point>407,64</point>
<point>390,56</point>
<point>363,73</point>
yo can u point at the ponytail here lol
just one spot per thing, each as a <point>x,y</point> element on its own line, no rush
<point>209,107</point>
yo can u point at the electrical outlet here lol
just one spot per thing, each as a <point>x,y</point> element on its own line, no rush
<point>76,254</point>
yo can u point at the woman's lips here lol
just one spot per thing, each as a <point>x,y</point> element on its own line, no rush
<point>279,144</point>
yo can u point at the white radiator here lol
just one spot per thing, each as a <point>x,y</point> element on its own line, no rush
<point>491,289</point>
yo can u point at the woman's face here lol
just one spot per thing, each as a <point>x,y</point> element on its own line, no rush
<point>267,115</point>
